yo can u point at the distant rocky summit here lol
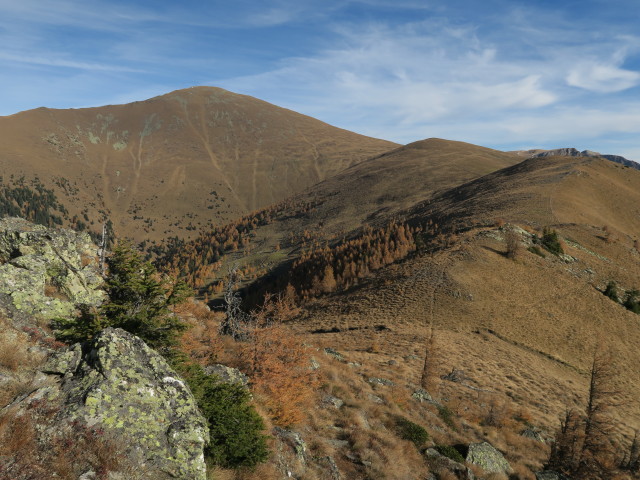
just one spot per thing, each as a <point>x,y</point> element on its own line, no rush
<point>573,152</point>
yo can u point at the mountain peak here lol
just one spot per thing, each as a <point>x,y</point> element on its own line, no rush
<point>172,164</point>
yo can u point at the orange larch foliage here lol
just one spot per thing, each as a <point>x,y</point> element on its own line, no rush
<point>350,260</point>
<point>197,260</point>
<point>278,363</point>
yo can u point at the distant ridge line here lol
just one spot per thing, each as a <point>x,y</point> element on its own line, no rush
<point>574,152</point>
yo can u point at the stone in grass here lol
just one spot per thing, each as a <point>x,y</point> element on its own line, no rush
<point>488,458</point>
<point>332,401</point>
<point>438,461</point>
<point>422,395</point>
<point>550,475</point>
<point>335,354</point>
<point>533,434</point>
<point>227,374</point>
<point>314,364</point>
<point>294,440</point>
<point>380,381</point>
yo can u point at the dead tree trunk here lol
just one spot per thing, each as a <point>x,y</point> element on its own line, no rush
<point>235,321</point>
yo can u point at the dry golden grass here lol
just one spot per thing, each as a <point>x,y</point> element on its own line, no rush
<point>371,192</point>
<point>154,196</point>
<point>53,291</point>
<point>361,431</point>
<point>14,349</point>
<point>523,350</point>
<point>523,329</point>
<point>30,449</point>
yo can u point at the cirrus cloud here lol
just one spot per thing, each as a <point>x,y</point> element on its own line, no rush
<point>602,78</point>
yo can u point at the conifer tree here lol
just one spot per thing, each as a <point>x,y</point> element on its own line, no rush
<point>139,301</point>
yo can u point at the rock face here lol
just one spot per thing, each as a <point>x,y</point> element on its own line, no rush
<point>118,383</point>
<point>47,272</point>
<point>573,152</point>
<point>422,395</point>
<point>228,374</point>
<point>550,475</point>
<point>439,461</point>
<point>533,434</point>
<point>488,458</point>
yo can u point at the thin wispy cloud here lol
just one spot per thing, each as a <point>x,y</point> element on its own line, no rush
<point>54,62</point>
<point>495,74</point>
<point>428,78</point>
<point>603,78</point>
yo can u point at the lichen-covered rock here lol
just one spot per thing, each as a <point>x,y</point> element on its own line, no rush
<point>118,383</point>
<point>47,272</point>
<point>291,453</point>
<point>332,401</point>
<point>380,381</point>
<point>488,458</point>
<point>227,374</point>
<point>294,439</point>
<point>422,395</point>
<point>335,354</point>
<point>550,475</point>
<point>533,434</point>
<point>65,362</point>
<point>314,364</point>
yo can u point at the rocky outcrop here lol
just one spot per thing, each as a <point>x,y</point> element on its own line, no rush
<point>439,462</point>
<point>292,453</point>
<point>550,475</point>
<point>47,272</point>
<point>573,152</point>
<point>488,458</point>
<point>380,381</point>
<point>119,384</point>
<point>533,434</point>
<point>227,374</point>
<point>421,395</point>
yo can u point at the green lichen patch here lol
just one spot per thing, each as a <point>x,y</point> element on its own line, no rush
<point>36,257</point>
<point>127,387</point>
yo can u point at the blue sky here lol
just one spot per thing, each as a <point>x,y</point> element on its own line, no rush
<point>500,73</point>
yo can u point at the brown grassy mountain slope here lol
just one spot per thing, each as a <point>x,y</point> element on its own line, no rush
<point>170,164</point>
<point>378,188</point>
<point>545,191</point>
<point>369,193</point>
<point>523,329</point>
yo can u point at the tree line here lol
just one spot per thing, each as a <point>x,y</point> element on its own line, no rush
<point>199,259</point>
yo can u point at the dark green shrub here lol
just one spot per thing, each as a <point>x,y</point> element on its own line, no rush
<point>235,428</point>
<point>611,291</point>
<point>446,415</point>
<point>450,452</point>
<point>537,250</point>
<point>411,431</point>
<point>631,302</point>
<point>551,241</point>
